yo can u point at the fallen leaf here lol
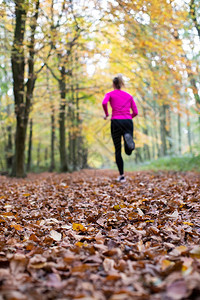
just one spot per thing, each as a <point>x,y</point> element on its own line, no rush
<point>108,265</point>
<point>188,223</point>
<point>78,227</point>
<point>177,290</point>
<point>17,227</point>
<point>166,264</point>
<point>174,215</point>
<point>55,235</point>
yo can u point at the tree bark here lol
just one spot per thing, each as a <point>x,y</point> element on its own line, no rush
<point>9,148</point>
<point>52,165</point>
<point>146,150</point>
<point>156,127</point>
<point>179,134</point>
<point>74,135</point>
<point>62,131</point>
<point>29,159</point>
<point>168,131</point>
<point>138,156</point>
<point>163,130</point>
<point>52,150</point>
<point>70,126</point>
<point>153,144</point>
<point>38,154</point>
<point>46,156</point>
<point>189,132</point>
<point>80,151</point>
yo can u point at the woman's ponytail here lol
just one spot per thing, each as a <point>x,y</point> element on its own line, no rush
<point>118,82</point>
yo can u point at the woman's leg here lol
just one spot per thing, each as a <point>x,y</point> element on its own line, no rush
<point>128,128</point>
<point>116,134</point>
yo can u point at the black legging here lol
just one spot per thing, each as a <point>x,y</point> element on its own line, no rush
<point>118,128</point>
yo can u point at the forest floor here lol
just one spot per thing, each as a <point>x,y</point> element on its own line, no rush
<point>85,236</point>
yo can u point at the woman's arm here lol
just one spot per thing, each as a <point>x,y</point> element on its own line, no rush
<point>105,104</point>
<point>134,108</point>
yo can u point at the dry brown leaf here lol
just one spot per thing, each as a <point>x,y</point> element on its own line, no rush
<point>177,290</point>
<point>17,227</point>
<point>55,235</point>
<point>108,265</point>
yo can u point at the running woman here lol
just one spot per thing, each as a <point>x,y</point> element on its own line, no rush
<point>121,121</point>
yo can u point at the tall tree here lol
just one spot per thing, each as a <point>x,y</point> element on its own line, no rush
<point>63,51</point>
<point>23,91</point>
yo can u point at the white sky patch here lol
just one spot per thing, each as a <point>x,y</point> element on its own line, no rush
<point>191,47</point>
<point>91,45</point>
<point>10,92</point>
<point>143,18</point>
<point>122,29</point>
<point>90,68</point>
<point>98,61</point>
<point>179,2</point>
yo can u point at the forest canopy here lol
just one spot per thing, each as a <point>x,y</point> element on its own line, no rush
<point>58,59</point>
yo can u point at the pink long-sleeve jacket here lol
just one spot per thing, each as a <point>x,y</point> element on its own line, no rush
<point>121,103</point>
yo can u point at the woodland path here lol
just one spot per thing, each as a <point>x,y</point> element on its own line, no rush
<point>84,236</point>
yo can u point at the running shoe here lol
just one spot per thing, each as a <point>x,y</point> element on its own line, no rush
<point>121,179</point>
<point>129,141</point>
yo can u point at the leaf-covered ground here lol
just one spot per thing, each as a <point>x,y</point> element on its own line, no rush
<point>84,236</point>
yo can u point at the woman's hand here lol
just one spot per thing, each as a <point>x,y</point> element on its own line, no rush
<point>106,117</point>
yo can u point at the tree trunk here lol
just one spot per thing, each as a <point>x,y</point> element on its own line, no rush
<point>179,134</point>
<point>29,159</point>
<point>38,154</point>
<point>18,66</point>
<point>163,130</point>
<point>153,144</point>
<point>168,131</point>
<point>2,165</point>
<point>46,156</point>
<point>9,148</point>
<point>70,133</point>
<point>155,127</point>
<point>145,131</point>
<point>156,138</point>
<point>74,136</point>
<point>81,151</point>
<point>84,158</point>
<point>62,135</point>
<point>52,166</point>
<point>63,58</point>
<point>22,96</point>
<point>138,156</point>
<point>52,151</point>
<point>9,144</point>
<point>19,159</point>
<point>189,132</point>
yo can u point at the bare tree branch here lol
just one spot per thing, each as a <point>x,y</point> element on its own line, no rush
<point>53,74</point>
